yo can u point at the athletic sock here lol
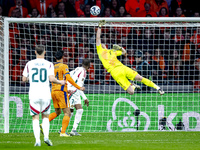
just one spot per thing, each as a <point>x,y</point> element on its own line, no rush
<point>78,117</point>
<point>36,130</point>
<point>65,123</point>
<point>149,83</point>
<point>45,127</point>
<point>71,115</point>
<point>52,116</point>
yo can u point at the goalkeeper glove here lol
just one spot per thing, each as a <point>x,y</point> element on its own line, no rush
<point>101,23</point>
<point>116,47</point>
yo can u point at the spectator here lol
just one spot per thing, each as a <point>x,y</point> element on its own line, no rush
<point>1,11</point>
<point>34,14</point>
<point>70,8</point>
<point>178,35</point>
<point>147,43</point>
<point>147,57</point>
<point>61,9</point>
<point>156,5</point>
<point>143,68</point>
<point>91,70</point>
<point>196,14</point>
<point>130,55</point>
<point>121,12</point>
<point>147,11</point>
<point>179,13</point>
<point>163,12</point>
<point>174,71</point>
<point>134,6</point>
<point>43,5</point>
<point>177,4</point>
<point>114,7</point>
<point>167,44</point>
<point>187,57</point>
<point>71,64</point>
<point>159,66</point>
<point>70,46</point>
<point>50,12</point>
<point>17,72</point>
<point>23,10</point>
<point>107,12</point>
<point>14,35</point>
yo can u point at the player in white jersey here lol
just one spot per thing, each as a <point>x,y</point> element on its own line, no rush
<point>39,72</point>
<point>78,75</point>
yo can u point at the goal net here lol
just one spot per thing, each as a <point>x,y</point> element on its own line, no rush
<point>166,51</point>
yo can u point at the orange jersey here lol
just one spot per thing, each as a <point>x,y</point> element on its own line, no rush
<point>61,72</point>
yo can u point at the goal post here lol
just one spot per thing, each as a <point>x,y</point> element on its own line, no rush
<point>168,48</point>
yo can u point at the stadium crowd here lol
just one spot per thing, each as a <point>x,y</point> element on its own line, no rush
<point>169,55</point>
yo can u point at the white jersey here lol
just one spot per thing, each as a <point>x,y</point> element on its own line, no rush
<point>78,75</point>
<point>38,71</point>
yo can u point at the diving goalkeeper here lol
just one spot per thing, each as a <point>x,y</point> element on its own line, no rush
<point>120,73</point>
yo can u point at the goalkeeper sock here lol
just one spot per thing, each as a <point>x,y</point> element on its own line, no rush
<point>78,117</point>
<point>45,127</point>
<point>65,123</point>
<point>36,130</point>
<point>52,116</point>
<point>149,83</point>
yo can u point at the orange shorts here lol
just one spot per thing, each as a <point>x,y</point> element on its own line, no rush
<point>60,99</point>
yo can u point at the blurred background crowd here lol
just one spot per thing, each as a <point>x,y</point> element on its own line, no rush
<point>109,8</point>
<point>168,55</point>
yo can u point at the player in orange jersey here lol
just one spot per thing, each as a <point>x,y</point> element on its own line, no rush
<point>60,94</point>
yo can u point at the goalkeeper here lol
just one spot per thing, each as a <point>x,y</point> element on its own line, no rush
<point>120,73</point>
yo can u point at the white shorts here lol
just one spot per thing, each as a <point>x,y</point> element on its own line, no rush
<point>39,106</point>
<point>74,99</point>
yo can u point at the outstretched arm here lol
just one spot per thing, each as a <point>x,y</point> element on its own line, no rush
<point>98,36</point>
<point>123,51</point>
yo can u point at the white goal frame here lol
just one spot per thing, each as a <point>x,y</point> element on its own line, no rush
<point>62,20</point>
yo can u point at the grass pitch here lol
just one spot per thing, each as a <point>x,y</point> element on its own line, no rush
<point>106,141</point>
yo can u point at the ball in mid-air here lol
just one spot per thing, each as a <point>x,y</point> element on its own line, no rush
<point>95,10</point>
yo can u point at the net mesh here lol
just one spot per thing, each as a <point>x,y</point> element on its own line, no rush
<point>166,53</point>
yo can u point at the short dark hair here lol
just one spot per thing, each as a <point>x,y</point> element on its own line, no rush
<point>86,62</point>
<point>39,49</point>
<point>59,54</point>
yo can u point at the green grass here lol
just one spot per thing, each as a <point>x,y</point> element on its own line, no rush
<point>106,141</point>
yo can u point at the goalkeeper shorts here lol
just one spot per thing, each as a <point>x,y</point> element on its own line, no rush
<point>122,75</point>
<point>60,99</point>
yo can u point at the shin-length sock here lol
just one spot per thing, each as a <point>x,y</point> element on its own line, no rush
<point>65,123</point>
<point>52,116</point>
<point>45,127</point>
<point>149,83</point>
<point>36,130</point>
<point>78,117</point>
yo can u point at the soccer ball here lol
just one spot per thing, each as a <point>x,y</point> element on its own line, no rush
<point>95,10</point>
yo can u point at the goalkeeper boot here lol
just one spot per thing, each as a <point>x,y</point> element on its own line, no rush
<point>48,142</point>
<point>37,144</point>
<point>136,86</point>
<point>74,133</point>
<point>161,91</point>
<point>41,130</point>
<point>64,135</point>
